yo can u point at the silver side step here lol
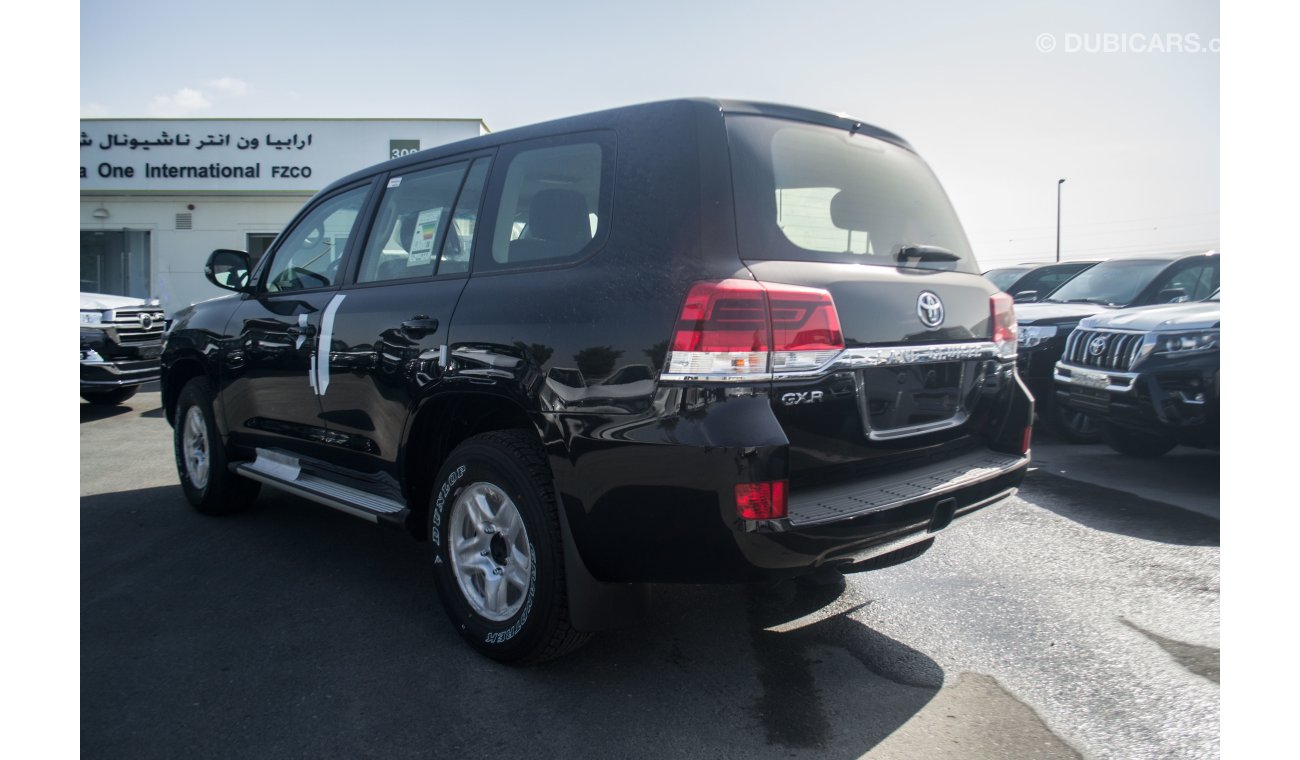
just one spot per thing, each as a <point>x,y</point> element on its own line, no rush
<point>283,471</point>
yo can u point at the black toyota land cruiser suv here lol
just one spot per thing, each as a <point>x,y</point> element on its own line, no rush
<point>1149,376</point>
<point>688,341</point>
<point>1115,284</point>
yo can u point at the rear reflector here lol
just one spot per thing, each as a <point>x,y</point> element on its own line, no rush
<point>1024,441</point>
<point>738,328</point>
<point>761,501</point>
<point>1003,313</point>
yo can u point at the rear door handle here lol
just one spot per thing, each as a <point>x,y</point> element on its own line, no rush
<point>420,326</point>
<point>306,331</point>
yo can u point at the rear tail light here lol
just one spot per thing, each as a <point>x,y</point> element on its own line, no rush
<point>1003,313</point>
<point>762,501</point>
<point>740,329</point>
<point>1025,439</point>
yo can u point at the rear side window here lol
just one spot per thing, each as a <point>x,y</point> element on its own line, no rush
<point>554,203</point>
<point>412,224</point>
<point>812,193</point>
<point>1196,281</point>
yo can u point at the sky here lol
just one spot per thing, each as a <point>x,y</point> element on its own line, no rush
<point>1002,98</point>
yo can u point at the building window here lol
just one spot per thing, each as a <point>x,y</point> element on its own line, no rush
<point>257,243</point>
<point>115,262</point>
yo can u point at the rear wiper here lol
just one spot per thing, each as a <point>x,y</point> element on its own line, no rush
<point>925,253</point>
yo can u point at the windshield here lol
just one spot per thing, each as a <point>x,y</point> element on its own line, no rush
<point>812,193</point>
<point>1112,283</point>
<point>1005,278</point>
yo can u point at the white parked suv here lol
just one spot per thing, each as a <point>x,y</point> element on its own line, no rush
<point>121,338</point>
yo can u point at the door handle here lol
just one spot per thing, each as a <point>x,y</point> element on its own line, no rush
<point>306,331</point>
<point>419,326</point>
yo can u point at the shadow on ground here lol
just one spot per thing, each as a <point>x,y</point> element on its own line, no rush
<point>1117,511</point>
<point>92,412</point>
<point>292,630</point>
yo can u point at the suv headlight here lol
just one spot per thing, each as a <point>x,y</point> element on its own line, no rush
<point>92,318</point>
<point>1032,335</point>
<point>1186,342</point>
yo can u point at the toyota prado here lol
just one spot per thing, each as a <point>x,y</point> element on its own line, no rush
<point>689,341</point>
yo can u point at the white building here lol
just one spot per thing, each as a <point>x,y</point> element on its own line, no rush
<point>159,195</point>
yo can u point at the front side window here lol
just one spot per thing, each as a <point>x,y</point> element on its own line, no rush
<point>311,253</point>
<point>411,225</point>
<point>551,205</point>
<point>806,192</point>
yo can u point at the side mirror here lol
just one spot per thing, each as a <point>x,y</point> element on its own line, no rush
<point>1026,296</point>
<point>229,270</point>
<point>1172,295</point>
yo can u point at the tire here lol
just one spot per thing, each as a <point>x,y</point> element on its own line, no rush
<point>110,398</point>
<point>1135,444</point>
<point>1072,425</point>
<point>201,460</point>
<point>498,553</point>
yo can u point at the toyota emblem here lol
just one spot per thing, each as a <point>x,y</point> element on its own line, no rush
<point>146,320</point>
<point>1097,346</point>
<point>929,309</point>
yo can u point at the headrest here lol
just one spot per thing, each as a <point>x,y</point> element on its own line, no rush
<point>559,216</point>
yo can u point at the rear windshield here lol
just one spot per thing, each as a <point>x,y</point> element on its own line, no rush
<point>812,193</point>
<point>1004,278</point>
<point>1111,283</point>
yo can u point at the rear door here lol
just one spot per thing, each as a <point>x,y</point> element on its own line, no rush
<point>389,334</point>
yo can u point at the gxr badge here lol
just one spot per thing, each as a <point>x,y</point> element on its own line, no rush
<point>802,397</point>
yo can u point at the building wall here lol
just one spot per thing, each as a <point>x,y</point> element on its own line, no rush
<point>123,189</point>
<point>177,256</point>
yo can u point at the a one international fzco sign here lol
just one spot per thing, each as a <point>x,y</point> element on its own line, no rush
<point>241,155</point>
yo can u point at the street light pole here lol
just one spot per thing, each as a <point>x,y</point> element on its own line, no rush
<point>1059,182</point>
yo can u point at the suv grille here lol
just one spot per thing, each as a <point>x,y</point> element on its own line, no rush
<point>137,325</point>
<point>1120,351</point>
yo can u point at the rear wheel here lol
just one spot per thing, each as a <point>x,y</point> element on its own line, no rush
<point>110,398</point>
<point>201,460</point>
<point>1136,444</point>
<point>499,557</point>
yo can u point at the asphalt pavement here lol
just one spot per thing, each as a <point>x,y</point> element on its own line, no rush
<point>1080,618</point>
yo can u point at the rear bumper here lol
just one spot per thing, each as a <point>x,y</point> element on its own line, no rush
<point>665,512</point>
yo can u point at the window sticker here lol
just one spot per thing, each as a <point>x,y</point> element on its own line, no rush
<point>426,234</point>
<point>395,182</point>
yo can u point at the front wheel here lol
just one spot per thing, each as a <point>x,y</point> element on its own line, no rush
<point>201,460</point>
<point>111,397</point>
<point>1136,444</point>
<point>499,557</point>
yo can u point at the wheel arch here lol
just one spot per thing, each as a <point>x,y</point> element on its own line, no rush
<point>439,426</point>
<point>175,374</point>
